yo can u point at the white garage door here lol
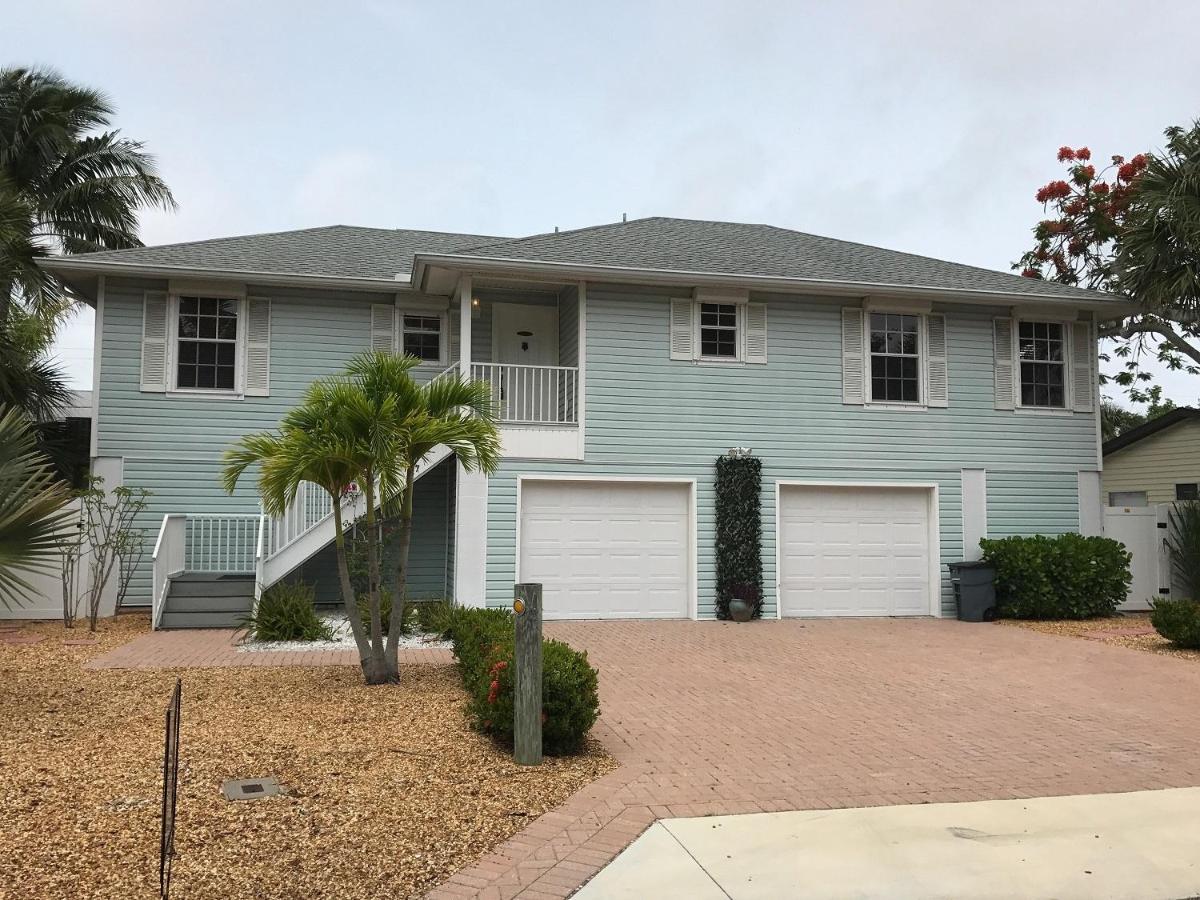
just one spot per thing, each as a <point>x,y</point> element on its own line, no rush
<point>605,549</point>
<point>854,551</point>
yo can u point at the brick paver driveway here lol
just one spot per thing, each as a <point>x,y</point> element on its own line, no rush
<point>710,717</point>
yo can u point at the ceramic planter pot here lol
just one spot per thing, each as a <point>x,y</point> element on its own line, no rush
<point>741,610</point>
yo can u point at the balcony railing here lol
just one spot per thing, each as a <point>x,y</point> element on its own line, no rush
<point>532,395</point>
<point>222,543</point>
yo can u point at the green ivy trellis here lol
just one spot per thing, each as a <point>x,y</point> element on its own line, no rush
<point>739,532</point>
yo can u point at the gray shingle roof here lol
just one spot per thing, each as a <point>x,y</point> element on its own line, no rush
<point>690,245</point>
<point>333,251</point>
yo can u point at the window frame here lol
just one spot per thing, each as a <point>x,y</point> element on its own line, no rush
<point>239,344</point>
<point>1195,486</point>
<point>739,332</point>
<point>1067,366</point>
<point>922,357</point>
<point>424,312</point>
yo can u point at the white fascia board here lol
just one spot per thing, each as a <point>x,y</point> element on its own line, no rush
<point>67,265</point>
<point>479,265</point>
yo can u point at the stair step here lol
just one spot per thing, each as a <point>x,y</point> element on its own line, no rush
<point>240,604</point>
<point>212,586</point>
<point>201,619</point>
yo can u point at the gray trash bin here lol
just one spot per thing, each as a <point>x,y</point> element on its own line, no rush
<point>974,590</point>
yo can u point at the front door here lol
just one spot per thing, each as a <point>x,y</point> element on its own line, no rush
<point>525,343</point>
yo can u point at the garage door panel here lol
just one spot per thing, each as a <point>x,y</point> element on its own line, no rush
<point>608,549</point>
<point>854,551</point>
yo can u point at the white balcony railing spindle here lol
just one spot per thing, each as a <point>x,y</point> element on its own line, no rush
<point>531,395</point>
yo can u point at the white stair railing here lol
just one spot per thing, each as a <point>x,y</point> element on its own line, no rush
<point>312,505</point>
<point>532,395</point>
<point>169,553</point>
<point>222,543</point>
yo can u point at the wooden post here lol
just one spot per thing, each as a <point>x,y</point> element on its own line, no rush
<point>527,656</point>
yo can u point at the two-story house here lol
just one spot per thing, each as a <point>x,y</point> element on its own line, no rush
<point>903,407</point>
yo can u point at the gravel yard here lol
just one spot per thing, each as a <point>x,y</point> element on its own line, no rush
<point>343,639</point>
<point>389,791</point>
<point>1120,629</point>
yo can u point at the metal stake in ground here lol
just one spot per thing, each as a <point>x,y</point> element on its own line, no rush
<point>166,847</point>
<point>527,657</point>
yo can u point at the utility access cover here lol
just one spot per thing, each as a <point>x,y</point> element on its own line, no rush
<point>250,788</point>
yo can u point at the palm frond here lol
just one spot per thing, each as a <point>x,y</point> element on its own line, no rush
<point>32,509</point>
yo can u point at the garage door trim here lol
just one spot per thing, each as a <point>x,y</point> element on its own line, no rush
<point>692,588</point>
<point>935,551</point>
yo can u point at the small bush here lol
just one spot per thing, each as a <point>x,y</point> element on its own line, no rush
<point>483,643</point>
<point>427,616</point>
<point>1183,543</point>
<point>287,612</point>
<point>432,615</point>
<point>1178,621</point>
<point>1064,577</point>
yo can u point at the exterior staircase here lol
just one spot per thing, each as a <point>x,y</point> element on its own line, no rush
<point>204,600</point>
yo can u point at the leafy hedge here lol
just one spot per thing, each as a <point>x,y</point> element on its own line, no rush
<point>1178,621</point>
<point>483,644</point>
<point>738,491</point>
<point>1064,577</point>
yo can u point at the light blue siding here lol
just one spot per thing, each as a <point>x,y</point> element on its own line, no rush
<point>1013,497</point>
<point>650,416</point>
<point>172,444</point>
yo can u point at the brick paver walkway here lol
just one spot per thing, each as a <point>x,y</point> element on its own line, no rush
<point>715,718</point>
<point>206,647</point>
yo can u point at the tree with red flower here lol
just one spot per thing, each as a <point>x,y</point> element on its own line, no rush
<point>1133,229</point>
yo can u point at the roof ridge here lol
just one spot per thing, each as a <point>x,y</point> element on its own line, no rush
<point>278,233</point>
<point>569,231</point>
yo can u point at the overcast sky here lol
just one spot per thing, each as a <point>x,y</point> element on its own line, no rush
<point>924,127</point>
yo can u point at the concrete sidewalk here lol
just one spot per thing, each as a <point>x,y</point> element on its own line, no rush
<point>1143,845</point>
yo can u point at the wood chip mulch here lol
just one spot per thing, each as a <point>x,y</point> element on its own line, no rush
<point>388,791</point>
<point>1131,630</point>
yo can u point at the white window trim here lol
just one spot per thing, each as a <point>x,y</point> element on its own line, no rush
<point>922,359</point>
<point>239,350</point>
<point>739,333</point>
<point>1068,407</point>
<point>427,312</point>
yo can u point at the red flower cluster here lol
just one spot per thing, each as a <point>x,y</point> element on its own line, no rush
<point>1065,153</point>
<point>1130,170</point>
<point>494,687</point>
<point>1100,187</point>
<point>1083,153</point>
<point>1055,190</point>
<point>1030,273</point>
<point>493,691</point>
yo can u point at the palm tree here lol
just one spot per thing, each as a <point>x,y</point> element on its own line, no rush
<point>32,509</point>
<point>325,440</point>
<point>67,182</point>
<point>416,419</point>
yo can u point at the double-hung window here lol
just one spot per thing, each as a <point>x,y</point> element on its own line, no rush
<point>206,343</point>
<point>718,331</point>
<point>1041,349</point>
<point>895,343</point>
<point>423,337</point>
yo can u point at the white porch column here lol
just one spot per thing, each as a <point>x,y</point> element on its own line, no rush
<point>470,539</point>
<point>974,511</point>
<point>464,325</point>
<point>1091,503</point>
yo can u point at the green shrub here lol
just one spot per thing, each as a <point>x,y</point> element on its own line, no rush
<point>1183,543</point>
<point>432,615</point>
<point>427,616</point>
<point>287,612</point>
<point>1178,621</point>
<point>483,644</point>
<point>1064,577</point>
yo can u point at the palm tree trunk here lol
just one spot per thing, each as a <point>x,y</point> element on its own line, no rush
<point>403,543</point>
<point>348,599</point>
<point>379,672</point>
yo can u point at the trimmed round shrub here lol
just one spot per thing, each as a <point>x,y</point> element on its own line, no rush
<point>287,612</point>
<point>483,644</point>
<point>1065,577</point>
<point>1178,621</point>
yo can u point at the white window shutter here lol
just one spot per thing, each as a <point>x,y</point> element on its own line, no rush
<point>755,333</point>
<point>383,327</point>
<point>1083,360</point>
<point>683,329</point>
<point>1002,343</point>
<point>155,308</point>
<point>258,347</point>
<point>853,363</point>
<point>937,368</point>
